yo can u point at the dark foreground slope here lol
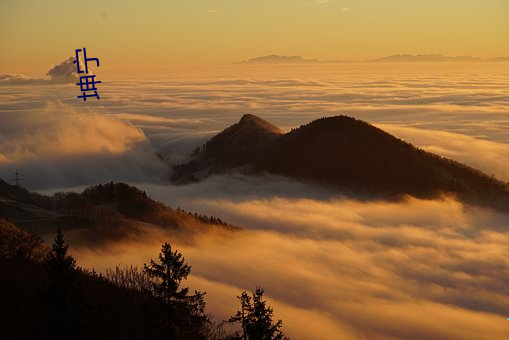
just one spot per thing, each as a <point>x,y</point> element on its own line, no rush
<point>359,158</point>
<point>40,303</point>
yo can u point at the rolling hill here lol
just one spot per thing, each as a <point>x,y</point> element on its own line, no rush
<point>348,154</point>
<point>115,208</point>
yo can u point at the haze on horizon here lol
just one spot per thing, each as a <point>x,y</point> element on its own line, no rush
<point>134,37</point>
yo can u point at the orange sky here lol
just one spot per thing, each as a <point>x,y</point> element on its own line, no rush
<point>130,35</point>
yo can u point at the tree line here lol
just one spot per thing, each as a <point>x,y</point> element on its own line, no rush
<point>48,296</point>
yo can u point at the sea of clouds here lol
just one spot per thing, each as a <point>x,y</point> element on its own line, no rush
<point>333,267</point>
<point>458,111</point>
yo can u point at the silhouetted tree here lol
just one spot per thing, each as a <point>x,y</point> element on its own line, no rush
<point>49,297</point>
<point>185,314</point>
<point>255,318</point>
<point>58,260</point>
<point>61,298</point>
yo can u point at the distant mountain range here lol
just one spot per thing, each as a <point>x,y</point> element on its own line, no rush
<point>426,58</point>
<point>344,153</point>
<point>277,59</point>
<point>396,58</point>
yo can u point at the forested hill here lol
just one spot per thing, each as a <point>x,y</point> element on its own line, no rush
<point>113,207</point>
<point>350,155</point>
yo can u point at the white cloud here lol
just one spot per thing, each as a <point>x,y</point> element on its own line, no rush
<point>487,156</point>
<point>179,113</point>
<point>68,146</point>
<point>16,78</point>
<point>62,130</point>
<point>434,269</point>
<point>66,71</point>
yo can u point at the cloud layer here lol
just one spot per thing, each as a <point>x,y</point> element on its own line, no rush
<point>418,103</point>
<point>485,155</point>
<point>66,71</point>
<point>340,268</point>
<point>420,269</point>
<point>68,146</point>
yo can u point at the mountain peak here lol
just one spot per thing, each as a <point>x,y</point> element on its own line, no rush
<point>346,153</point>
<point>249,117</point>
<point>254,122</point>
<point>242,142</point>
<point>238,145</point>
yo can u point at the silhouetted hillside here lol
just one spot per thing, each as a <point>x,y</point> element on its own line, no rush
<point>22,195</point>
<point>44,294</point>
<point>357,157</point>
<point>116,208</point>
<point>238,143</point>
<point>235,146</point>
<point>38,302</point>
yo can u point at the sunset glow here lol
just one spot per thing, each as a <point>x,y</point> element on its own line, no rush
<point>321,169</point>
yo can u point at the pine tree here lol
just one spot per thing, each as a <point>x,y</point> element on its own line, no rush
<point>58,260</point>
<point>255,317</point>
<point>61,298</point>
<point>241,316</point>
<point>184,313</point>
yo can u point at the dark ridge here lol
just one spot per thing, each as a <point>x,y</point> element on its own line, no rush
<point>235,146</point>
<point>241,142</point>
<point>20,194</point>
<point>80,302</point>
<point>357,158</point>
<point>114,207</point>
<point>351,153</point>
